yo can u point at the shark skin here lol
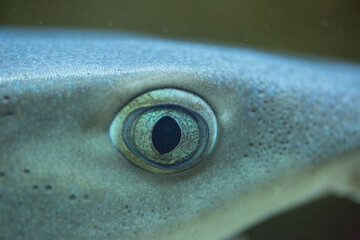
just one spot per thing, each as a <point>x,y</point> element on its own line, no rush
<point>288,133</point>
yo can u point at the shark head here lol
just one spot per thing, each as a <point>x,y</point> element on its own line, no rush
<point>288,131</point>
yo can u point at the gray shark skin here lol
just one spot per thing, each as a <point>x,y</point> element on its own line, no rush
<point>288,133</point>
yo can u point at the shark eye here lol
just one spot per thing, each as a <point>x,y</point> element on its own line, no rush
<point>165,131</point>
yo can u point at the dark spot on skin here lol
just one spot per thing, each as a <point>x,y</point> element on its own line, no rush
<point>126,206</point>
<point>48,187</point>
<point>86,196</point>
<point>26,171</point>
<point>7,113</point>
<point>2,174</point>
<point>251,144</point>
<point>72,197</point>
<point>245,155</point>
<point>109,234</point>
<point>142,215</point>
<point>135,232</point>
<point>253,110</point>
<point>260,143</point>
<point>35,187</point>
<point>6,97</point>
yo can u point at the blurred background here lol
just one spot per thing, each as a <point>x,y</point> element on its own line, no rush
<point>326,28</point>
<point>322,27</point>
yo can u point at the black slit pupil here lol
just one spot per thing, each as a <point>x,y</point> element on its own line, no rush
<point>166,135</point>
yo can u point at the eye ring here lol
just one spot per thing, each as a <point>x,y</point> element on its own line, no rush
<point>132,130</point>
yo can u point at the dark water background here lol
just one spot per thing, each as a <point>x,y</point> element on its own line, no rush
<point>322,27</point>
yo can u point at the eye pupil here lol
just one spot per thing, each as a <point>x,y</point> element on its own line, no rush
<point>165,131</point>
<point>166,135</point>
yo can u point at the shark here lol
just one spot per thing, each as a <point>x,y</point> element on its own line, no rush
<point>288,132</point>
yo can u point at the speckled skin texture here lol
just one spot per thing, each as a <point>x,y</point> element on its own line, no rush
<point>288,132</point>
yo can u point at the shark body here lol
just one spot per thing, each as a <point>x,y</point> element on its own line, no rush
<point>288,132</point>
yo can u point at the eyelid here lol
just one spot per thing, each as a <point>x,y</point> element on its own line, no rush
<point>131,130</point>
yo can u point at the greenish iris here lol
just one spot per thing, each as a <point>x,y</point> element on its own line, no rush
<point>166,135</point>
